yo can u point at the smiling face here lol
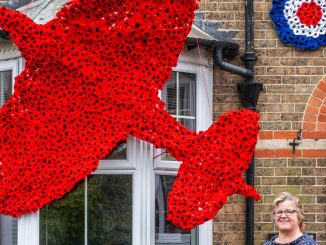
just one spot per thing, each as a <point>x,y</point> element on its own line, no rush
<point>288,220</point>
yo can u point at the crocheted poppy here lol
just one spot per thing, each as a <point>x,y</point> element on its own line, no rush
<point>300,22</point>
<point>91,79</point>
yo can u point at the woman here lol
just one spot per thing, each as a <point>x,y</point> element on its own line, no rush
<point>288,218</point>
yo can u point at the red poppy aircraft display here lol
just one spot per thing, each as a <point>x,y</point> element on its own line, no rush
<point>91,79</point>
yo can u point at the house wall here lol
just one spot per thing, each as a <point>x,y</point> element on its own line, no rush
<point>293,98</point>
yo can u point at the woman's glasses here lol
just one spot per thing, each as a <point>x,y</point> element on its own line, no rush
<point>287,212</point>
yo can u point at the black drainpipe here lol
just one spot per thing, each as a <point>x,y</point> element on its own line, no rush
<point>249,92</point>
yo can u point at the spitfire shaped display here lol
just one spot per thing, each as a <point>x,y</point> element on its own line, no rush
<point>91,79</point>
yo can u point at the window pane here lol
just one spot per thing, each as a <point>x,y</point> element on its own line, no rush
<point>187,94</point>
<point>165,231</point>
<point>188,123</point>
<point>109,214</point>
<point>110,210</point>
<point>169,95</point>
<point>8,230</point>
<point>62,222</point>
<point>120,152</point>
<point>5,86</point>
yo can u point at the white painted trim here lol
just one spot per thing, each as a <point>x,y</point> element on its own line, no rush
<point>15,65</point>
<point>28,229</point>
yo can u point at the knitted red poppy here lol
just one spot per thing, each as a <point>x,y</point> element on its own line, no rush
<point>91,78</point>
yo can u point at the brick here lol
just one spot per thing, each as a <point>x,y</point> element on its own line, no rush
<point>291,116</point>
<point>309,126</point>
<point>321,217</point>
<point>294,61</point>
<point>314,153</point>
<point>312,109</point>
<point>301,181</point>
<point>323,109</point>
<point>321,162</point>
<point>299,53</point>
<point>208,6</point>
<point>265,134</point>
<point>295,79</point>
<point>287,171</point>
<point>296,125</point>
<point>269,199</point>
<point>264,189</point>
<point>270,116</point>
<point>300,107</point>
<point>317,62</point>
<point>263,208</point>
<point>321,126</point>
<point>227,7</point>
<point>321,236</point>
<point>281,52</point>
<point>322,86</point>
<point>308,70</point>
<point>319,94</point>
<point>310,217</point>
<point>307,199</point>
<point>285,134</point>
<point>315,227</point>
<point>234,227</point>
<point>309,117</point>
<point>265,61</point>
<point>266,218</point>
<point>234,208</point>
<point>276,125</point>
<point>264,171</point>
<point>304,89</point>
<point>313,190</point>
<point>300,162</point>
<point>294,98</point>
<point>287,153</point>
<point>285,70</point>
<point>274,180</point>
<point>280,89</point>
<point>264,153</point>
<point>313,208</point>
<point>314,171</point>
<point>227,218</point>
<point>276,107</point>
<point>321,199</point>
<point>263,226</point>
<point>321,181</point>
<point>270,163</point>
<point>315,79</point>
<point>315,101</point>
<point>292,189</point>
<point>269,98</point>
<point>220,15</point>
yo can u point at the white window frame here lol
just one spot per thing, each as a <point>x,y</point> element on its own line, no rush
<point>204,97</point>
<point>140,152</point>
<point>15,65</point>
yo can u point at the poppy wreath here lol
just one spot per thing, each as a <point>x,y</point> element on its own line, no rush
<point>91,79</point>
<point>300,22</point>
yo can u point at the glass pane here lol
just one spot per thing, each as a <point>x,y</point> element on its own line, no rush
<point>62,222</point>
<point>169,94</point>
<point>5,86</point>
<point>187,94</point>
<point>8,230</point>
<point>188,123</point>
<point>110,210</point>
<point>167,157</point>
<point>165,231</point>
<point>120,152</point>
